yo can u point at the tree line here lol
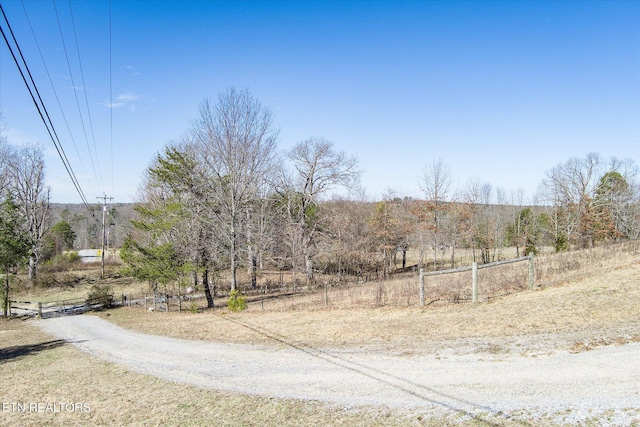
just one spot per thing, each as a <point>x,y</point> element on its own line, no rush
<point>33,231</point>
<point>219,198</point>
<point>24,211</point>
<point>222,198</point>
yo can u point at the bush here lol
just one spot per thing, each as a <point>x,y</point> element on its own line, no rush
<point>72,256</point>
<point>561,244</point>
<point>63,262</point>
<point>193,308</point>
<point>100,295</point>
<point>236,301</point>
<point>530,248</point>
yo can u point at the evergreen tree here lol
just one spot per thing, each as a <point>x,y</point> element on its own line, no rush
<point>154,257</point>
<point>58,239</point>
<point>15,246</point>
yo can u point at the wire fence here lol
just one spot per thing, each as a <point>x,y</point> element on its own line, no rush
<point>468,284</point>
<point>456,286</point>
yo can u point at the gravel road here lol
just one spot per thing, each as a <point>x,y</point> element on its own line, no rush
<point>563,387</point>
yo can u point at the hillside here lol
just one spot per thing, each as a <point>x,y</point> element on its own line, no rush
<point>590,307</point>
<point>88,231</point>
<point>576,332</point>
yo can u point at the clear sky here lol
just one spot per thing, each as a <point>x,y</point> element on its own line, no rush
<point>501,91</point>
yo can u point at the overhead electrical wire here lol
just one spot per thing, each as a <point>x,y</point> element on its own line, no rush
<point>55,93</point>
<point>40,107</point>
<point>99,178</point>
<point>111,87</point>
<point>75,92</point>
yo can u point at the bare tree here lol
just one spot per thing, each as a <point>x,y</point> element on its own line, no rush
<point>346,239</point>
<point>435,183</point>
<point>236,142</point>
<point>568,190</point>
<point>590,200</point>
<point>317,170</point>
<point>25,172</point>
<point>478,195</point>
<point>517,200</point>
<point>457,225</point>
<point>385,234</point>
<point>616,198</point>
<point>4,156</point>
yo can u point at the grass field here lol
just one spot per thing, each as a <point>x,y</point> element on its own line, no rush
<point>601,308</point>
<point>576,309</point>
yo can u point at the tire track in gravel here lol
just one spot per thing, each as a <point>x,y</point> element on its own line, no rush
<point>584,384</point>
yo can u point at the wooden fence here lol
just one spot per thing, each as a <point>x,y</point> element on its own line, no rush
<point>474,275</point>
<point>302,296</point>
<point>58,308</point>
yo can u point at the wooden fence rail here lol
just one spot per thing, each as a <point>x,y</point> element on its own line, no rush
<point>57,308</point>
<point>474,275</point>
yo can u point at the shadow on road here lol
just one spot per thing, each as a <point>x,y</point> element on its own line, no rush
<point>394,381</point>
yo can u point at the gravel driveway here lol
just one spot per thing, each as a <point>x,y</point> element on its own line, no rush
<point>603,383</point>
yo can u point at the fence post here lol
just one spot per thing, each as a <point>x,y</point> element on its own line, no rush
<point>474,282</point>
<point>326,294</point>
<point>421,287</point>
<point>531,272</point>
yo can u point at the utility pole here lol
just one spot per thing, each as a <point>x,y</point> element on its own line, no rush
<point>104,227</point>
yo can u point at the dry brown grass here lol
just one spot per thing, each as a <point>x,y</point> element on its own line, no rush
<point>583,303</point>
<point>598,306</point>
<point>550,270</point>
<point>35,368</point>
<point>76,284</point>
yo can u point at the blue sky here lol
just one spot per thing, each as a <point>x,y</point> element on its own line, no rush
<point>500,91</point>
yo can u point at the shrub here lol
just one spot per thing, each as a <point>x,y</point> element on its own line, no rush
<point>561,244</point>
<point>236,301</point>
<point>530,247</point>
<point>72,256</point>
<point>63,262</point>
<point>193,307</point>
<point>100,295</point>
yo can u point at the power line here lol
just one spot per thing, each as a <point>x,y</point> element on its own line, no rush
<point>75,92</point>
<point>111,86</point>
<point>55,93</point>
<point>40,107</point>
<point>86,98</point>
